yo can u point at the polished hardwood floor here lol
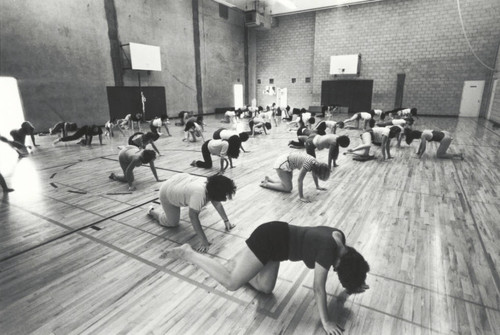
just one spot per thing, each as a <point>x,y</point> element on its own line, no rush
<point>79,255</point>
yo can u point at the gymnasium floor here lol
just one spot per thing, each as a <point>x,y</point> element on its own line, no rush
<point>78,255</point>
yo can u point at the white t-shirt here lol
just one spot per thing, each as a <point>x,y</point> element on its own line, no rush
<point>185,190</point>
<point>218,147</point>
<point>365,115</point>
<point>226,134</point>
<point>379,132</point>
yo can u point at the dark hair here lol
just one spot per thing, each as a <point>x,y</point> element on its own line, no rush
<point>413,111</point>
<point>352,270</point>
<point>371,123</point>
<point>343,141</point>
<point>340,124</point>
<point>409,121</point>
<point>199,120</point>
<point>321,170</point>
<point>382,116</point>
<point>372,113</point>
<point>311,120</point>
<point>243,137</point>
<point>164,117</point>
<point>394,131</point>
<point>149,136</point>
<point>410,135</point>
<point>268,125</point>
<point>219,187</point>
<point>260,108</point>
<point>147,156</point>
<point>234,146</point>
<point>27,127</point>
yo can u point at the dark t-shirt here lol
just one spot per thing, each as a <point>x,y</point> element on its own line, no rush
<point>313,244</point>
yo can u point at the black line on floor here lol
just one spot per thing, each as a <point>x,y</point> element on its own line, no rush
<point>53,175</point>
<point>53,185</point>
<point>71,230</point>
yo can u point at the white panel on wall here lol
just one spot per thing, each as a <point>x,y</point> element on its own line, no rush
<point>344,64</point>
<point>145,57</point>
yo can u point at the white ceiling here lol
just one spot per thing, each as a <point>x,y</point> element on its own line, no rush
<point>284,7</point>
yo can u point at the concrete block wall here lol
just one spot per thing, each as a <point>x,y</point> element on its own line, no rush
<point>422,39</point>
<point>60,53</point>
<point>285,52</point>
<point>222,55</point>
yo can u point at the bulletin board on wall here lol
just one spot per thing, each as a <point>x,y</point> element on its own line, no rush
<point>128,100</point>
<point>356,94</point>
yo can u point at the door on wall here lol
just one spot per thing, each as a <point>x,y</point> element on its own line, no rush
<point>238,95</point>
<point>282,97</point>
<point>472,95</point>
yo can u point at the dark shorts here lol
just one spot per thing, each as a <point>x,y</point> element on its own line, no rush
<point>269,242</point>
<point>216,135</point>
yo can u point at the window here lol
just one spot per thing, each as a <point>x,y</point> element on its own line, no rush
<point>11,108</point>
<point>308,79</point>
<point>223,11</point>
<point>294,80</point>
<point>258,81</point>
<point>238,96</point>
<point>271,81</point>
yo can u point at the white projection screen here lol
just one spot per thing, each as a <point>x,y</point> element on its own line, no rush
<point>145,57</point>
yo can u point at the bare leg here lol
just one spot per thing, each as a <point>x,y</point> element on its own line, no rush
<point>244,266</point>
<point>443,147</point>
<point>5,188</point>
<point>265,280</point>
<point>284,185</point>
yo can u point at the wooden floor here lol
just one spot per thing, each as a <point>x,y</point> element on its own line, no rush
<point>78,255</point>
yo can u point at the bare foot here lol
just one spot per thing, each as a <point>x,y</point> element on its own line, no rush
<point>178,252</point>
<point>266,178</point>
<point>229,225</point>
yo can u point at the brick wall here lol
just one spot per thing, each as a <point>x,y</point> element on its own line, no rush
<point>422,39</point>
<point>287,52</point>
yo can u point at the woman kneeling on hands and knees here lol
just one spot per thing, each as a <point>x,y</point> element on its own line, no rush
<point>184,190</point>
<point>284,167</point>
<point>257,264</point>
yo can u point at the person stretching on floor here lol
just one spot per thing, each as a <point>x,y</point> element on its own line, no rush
<point>88,131</point>
<point>330,141</point>
<point>129,120</point>
<point>185,190</point>
<point>156,124</point>
<point>21,149</point>
<point>141,140</point>
<point>131,157</point>
<point>194,129</point>
<point>366,117</point>
<point>221,148</point>
<point>284,167</point>
<point>110,125</point>
<point>63,127</point>
<point>442,137</point>
<point>257,125</point>
<point>19,135</point>
<point>376,135</point>
<point>225,134</point>
<point>258,262</point>
<point>322,126</point>
<point>401,123</point>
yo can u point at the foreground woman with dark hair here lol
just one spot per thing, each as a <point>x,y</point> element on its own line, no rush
<point>131,157</point>
<point>221,148</point>
<point>442,137</point>
<point>184,190</point>
<point>257,264</point>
